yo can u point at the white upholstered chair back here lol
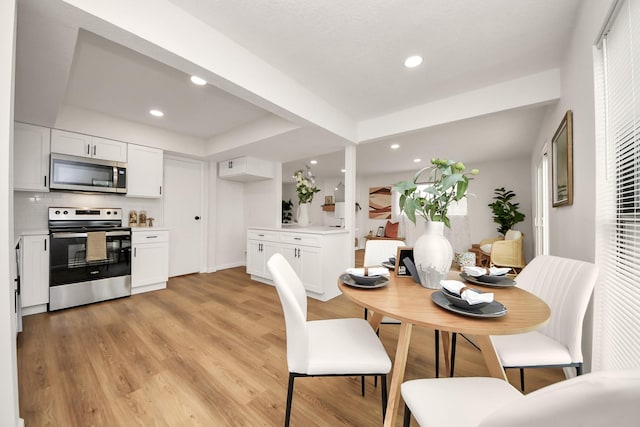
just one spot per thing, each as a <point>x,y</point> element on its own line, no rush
<point>294,305</point>
<point>378,251</point>
<point>566,286</point>
<point>591,400</point>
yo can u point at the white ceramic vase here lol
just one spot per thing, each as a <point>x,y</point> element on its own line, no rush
<point>303,214</point>
<point>432,255</point>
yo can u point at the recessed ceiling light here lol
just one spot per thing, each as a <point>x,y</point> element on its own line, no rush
<point>314,162</point>
<point>394,146</point>
<point>417,160</point>
<point>156,113</point>
<point>413,61</point>
<point>198,81</point>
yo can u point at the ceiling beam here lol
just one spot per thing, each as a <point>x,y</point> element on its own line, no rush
<point>530,90</point>
<point>261,129</point>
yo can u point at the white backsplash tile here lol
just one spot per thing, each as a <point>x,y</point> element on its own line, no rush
<point>31,209</point>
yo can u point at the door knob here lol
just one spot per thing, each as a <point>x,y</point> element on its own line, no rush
<point>197,218</point>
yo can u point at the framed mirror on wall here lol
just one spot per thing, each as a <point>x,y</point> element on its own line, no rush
<point>562,162</point>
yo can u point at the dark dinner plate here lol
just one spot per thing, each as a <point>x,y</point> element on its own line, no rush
<point>379,283</point>
<point>495,281</point>
<point>458,301</point>
<point>493,309</point>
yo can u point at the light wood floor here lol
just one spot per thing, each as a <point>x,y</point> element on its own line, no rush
<point>207,351</point>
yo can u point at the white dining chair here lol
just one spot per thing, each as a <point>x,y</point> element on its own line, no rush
<point>566,286</point>
<point>333,347</point>
<point>378,251</point>
<point>591,400</point>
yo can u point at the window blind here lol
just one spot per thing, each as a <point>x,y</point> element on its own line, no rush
<point>617,295</point>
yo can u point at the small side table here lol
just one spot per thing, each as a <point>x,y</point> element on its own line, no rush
<point>475,248</point>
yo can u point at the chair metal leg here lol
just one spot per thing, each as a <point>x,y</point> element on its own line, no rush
<point>287,416</point>
<point>437,346</point>
<point>385,399</point>
<point>407,416</point>
<point>375,379</point>
<point>362,382</point>
<point>454,338</point>
<point>522,379</point>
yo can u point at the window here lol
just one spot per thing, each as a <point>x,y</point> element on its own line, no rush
<point>617,295</point>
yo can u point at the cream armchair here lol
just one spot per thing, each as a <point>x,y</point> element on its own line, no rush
<point>503,252</point>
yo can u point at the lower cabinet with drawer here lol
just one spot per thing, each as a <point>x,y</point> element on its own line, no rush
<point>318,257</point>
<point>150,259</point>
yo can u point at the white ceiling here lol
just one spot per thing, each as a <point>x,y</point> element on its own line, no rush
<point>348,53</point>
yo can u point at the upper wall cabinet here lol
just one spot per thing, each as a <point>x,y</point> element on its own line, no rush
<point>77,144</point>
<point>144,171</point>
<point>246,169</point>
<point>31,150</point>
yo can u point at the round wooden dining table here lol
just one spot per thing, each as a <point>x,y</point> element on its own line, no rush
<point>411,304</point>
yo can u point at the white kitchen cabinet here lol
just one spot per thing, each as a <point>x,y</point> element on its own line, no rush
<point>318,255</point>
<point>31,149</point>
<point>34,273</point>
<point>78,144</point>
<point>306,262</point>
<point>150,260</point>
<point>261,245</point>
<point>246,169</point>
<point>144,171</point>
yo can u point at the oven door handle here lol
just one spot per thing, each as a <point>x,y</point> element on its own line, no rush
<point>73,235</point>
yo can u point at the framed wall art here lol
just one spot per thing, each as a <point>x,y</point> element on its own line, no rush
<point>380,202</point>
<point>562,162</point>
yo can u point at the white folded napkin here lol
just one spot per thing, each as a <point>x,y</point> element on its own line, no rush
<point>370,271</point>
<point>481,271</point>
<point>497,271</point>
<point>474,271</point>
<point>469,295</point>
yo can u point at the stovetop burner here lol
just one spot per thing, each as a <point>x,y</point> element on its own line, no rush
<point>84,219</point>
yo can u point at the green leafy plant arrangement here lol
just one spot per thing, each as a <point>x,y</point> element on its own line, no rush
<point>287,211</point>
<point>505,212</point>
<point>448,182</point>
<point>305,185</point>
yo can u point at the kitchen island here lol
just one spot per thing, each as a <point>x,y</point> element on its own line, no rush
<point>316,253</point>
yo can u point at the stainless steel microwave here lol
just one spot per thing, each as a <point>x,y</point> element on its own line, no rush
<point>86,174</point>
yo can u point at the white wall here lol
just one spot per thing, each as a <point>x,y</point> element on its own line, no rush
<point>230,227</point>
<point>316,215</point>
<point>8,364</point>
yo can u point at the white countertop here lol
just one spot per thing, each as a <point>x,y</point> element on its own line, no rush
<point>35,232</point>
<point>312,229</point>
<point>152,229</point>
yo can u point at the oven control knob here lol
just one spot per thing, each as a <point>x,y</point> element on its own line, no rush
<point>108,212</point>
<point>57,212</point>
<point>65,212</point>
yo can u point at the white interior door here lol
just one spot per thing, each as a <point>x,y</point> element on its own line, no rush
<point>183,214</point>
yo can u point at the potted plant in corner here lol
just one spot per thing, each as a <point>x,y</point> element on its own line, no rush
<point>305,188</point>
<point>446,182</point>
<point>505,213</point>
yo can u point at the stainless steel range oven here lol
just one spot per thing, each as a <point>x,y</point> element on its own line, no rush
<point>90,256</point>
